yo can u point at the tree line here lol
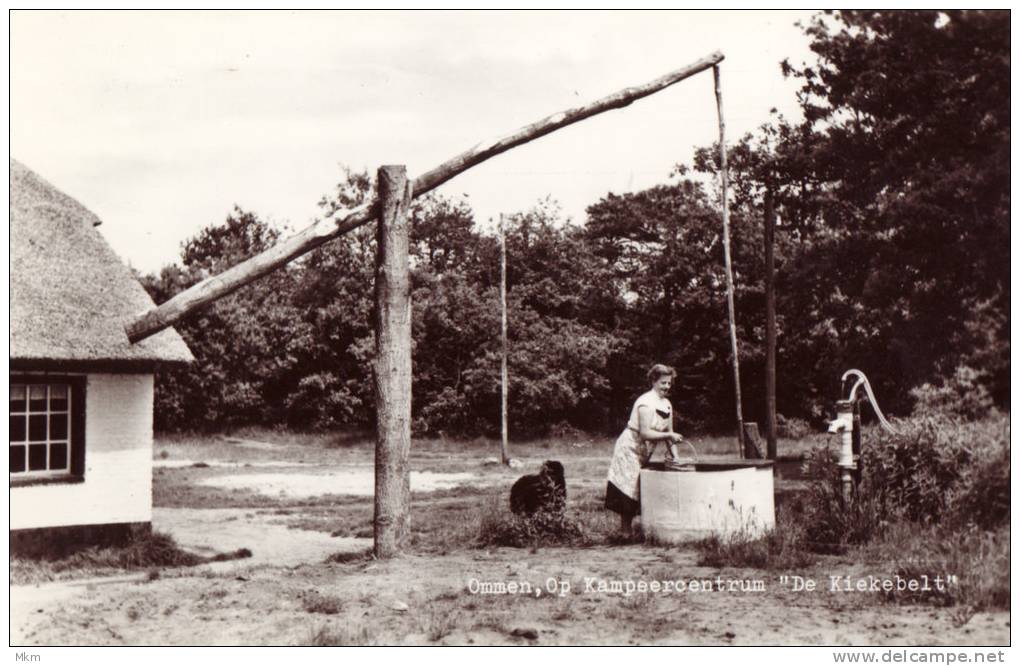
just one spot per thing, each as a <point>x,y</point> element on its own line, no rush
<point>891,253</point>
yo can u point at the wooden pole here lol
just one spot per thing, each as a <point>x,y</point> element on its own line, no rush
<point>770,323</point>
<point>343,220</point>
<point>504,450</point>
<point>726,254</point>
<point>392,365</point>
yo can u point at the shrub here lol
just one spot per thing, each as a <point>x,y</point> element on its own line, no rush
<point>964,395</point>
<point>918,467</point>
<point>832,522</point>
<point>792,427</point>
<point>981,496</point>
<point>935,470</point>
<point>501,528</point>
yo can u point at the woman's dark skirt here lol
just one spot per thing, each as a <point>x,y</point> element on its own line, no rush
<point>617,501</point>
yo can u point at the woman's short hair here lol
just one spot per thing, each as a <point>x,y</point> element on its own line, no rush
<point>659,370</point>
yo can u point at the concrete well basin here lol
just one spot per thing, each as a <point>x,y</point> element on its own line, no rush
<point>718,497</point>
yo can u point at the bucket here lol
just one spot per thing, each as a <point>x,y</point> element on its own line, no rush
<point>718,497</point>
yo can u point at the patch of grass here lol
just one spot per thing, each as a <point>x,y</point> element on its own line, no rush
<point>349,634</point>
<point>438,623</point>
<point>349,557</point>
<point>449,595</point>
<point>637,603</point>
<point>325,604</point>
<point>627,608</point>
<point>239,554</point>
<point>782,548</point>
<point>147,551</point>
<point>978,559</point>
<point>440,527</point>
<point>565,612</point>
<point>626,539</point>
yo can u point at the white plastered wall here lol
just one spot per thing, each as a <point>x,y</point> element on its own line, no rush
<point>118,462</point>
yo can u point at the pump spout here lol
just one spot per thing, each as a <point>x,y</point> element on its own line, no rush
<point>863,381</point>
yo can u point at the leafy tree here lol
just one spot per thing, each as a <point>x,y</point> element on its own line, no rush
<point>892,255</point>
<point>663,250</point>
<point>558,354</point>
<point>245,345</point>
<point>912,112</point>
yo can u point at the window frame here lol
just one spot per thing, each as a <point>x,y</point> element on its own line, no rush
<point>76,430</point>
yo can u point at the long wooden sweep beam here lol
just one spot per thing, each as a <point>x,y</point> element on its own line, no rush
<point>344,220</point>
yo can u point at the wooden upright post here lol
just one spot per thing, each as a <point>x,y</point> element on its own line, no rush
<point>726,255</point>
<point>504,446</point>
<point>392,365</point>
<point>770,323</point>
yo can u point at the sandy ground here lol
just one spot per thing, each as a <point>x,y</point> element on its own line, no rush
<point>288,594</point>
<point>416,600</point>
<point>356,482</point>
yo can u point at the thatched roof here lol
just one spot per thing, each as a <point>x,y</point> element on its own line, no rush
<point>70,294</point>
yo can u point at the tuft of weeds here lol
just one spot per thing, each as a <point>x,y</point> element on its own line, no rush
<point>566,611</point>
<point>502,528</point>
<point>325,604</point>
<point>628,607</point>
<point>239,554</point>
<point>437,624</point>
<point>350,557</point>
<point>782,548</point>
<point>637,603</point>
<point>350,634</point>
<point>449,595</point>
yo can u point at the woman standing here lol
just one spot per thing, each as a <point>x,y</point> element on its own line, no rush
<point>651,421</point>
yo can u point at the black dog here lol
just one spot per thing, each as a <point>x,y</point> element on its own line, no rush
<point>545,491</point>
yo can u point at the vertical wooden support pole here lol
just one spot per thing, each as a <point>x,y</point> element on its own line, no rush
<point>504,447</point>
<point>724,172</point>
<point>392,365</point>
<point>770,323</point>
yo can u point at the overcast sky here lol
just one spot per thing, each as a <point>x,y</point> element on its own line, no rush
<point>161,122</point>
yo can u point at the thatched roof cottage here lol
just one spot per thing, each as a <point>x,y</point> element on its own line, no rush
<point>81,394</point>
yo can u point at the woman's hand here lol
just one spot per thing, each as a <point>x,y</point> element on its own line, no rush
<point>676,437</point>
